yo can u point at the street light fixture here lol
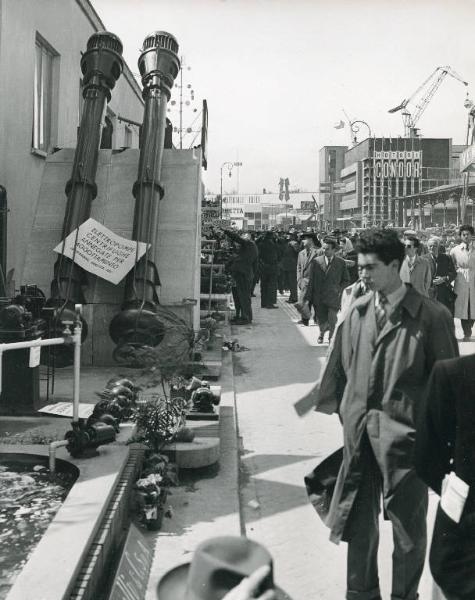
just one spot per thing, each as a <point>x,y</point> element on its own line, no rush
<point>230,167</point>
<point>355,129</point>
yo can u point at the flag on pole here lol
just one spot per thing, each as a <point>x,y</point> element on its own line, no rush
<point>339,125</point>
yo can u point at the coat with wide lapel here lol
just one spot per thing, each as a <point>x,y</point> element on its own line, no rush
<point>326,284</point>
<point>375,382</point>
<point>304,262</point>
<point>464,285</point>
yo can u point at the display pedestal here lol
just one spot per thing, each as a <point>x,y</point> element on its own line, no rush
<point>177,255</point>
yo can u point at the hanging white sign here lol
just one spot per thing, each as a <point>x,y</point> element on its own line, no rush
<point>35,356</point>
<point>101,251</point>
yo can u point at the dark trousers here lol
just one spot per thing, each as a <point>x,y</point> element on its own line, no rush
<point>281,281</point>
<point>237,303</point>
<point>467,324</point>
<point>255,280</point>
<point>243,295</point>
<point>326,317</point>
<point>407,512</point>
<point>452,555</point>
<point>291,284</point>
<point>268,288</point>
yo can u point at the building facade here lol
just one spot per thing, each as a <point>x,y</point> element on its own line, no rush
<point>379,173</point>
<point>258,212</point>
<point>41,42</point>
<point>331,162</point>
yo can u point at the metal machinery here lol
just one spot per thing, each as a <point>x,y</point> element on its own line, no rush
<point>138,325</point>
<point>101,66</point>
<point>430,87</point>
<point>20,321</point>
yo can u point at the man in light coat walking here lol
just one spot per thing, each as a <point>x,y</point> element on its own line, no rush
<point>416,270</point>
<point>375,375</point>
<point>310,251</point>
<point>463,256</point>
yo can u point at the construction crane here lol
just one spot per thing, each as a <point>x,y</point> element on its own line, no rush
<point>429,87</point>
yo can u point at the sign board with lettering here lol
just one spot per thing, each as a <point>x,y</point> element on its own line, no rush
<point>308,205</point>
<point>339,188</point>
<point>131,578</point>
<point>65,409</point>
<point>467,159</point>
<point>101,252</point>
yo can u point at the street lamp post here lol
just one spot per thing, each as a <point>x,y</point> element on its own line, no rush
<point>230,167</point>
<point>354,126</point>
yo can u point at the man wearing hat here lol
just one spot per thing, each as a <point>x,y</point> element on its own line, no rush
<point>311,243</point>
<point>268,269</point>
<point>223,568</point>
<point>242,270</point>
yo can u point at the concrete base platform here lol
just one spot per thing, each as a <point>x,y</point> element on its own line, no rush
<point>206,502</point>
<point>202,452</point>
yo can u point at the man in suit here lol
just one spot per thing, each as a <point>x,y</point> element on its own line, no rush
<point>445,442</point>
<point>376,372</point>
<point>241,268</point>
<point>327,279</point>
<point>311,243</point>
<point>443,274</point>
<point>268,268</point>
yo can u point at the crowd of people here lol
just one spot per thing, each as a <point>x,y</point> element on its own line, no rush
<point>393,375</point>
<point>319,271</point>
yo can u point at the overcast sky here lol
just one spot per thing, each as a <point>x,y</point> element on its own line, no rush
<point>277,73</point>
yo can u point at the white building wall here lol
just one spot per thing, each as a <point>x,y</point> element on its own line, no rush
<point>66,25</point>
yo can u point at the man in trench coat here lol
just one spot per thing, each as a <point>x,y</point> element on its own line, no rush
<point>463,256</point>
<point>311,243</point>
<point>379,363</point>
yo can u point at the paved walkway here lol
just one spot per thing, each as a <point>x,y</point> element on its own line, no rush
<point>278,448</point>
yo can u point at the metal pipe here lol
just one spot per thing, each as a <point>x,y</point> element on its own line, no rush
<point>32,344</point>
<point>77,363</point>
<point>3,241</point>
<point>52,454</point>
<point>137,324</point>
<point>101,66</point>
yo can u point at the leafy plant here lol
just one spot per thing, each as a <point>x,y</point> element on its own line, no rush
<point>158,419</point>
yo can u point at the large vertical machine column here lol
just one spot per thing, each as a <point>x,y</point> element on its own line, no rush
<point>101,66</point>
<point>138,325</point>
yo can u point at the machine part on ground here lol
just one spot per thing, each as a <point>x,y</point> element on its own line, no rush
<point>138,325</point>
<point>203,399</point>
<point>86,437</point>
<point>101,66</point>
<point>150,498</point>
<point>20,322</point>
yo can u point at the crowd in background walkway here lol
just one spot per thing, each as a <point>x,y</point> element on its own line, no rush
<point>393,375</point>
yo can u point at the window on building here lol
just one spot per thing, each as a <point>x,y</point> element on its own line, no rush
<point>44,102</point>
<point>127,137</point>
<point>107,133</point>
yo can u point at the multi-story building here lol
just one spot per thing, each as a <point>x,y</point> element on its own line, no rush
<point>378,173</point>
<point>331,162</point>
<point>40,52</point>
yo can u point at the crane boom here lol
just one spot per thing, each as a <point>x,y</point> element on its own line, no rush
<point>434,81</point>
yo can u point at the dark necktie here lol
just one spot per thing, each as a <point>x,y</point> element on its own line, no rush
<point>380,311</point>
